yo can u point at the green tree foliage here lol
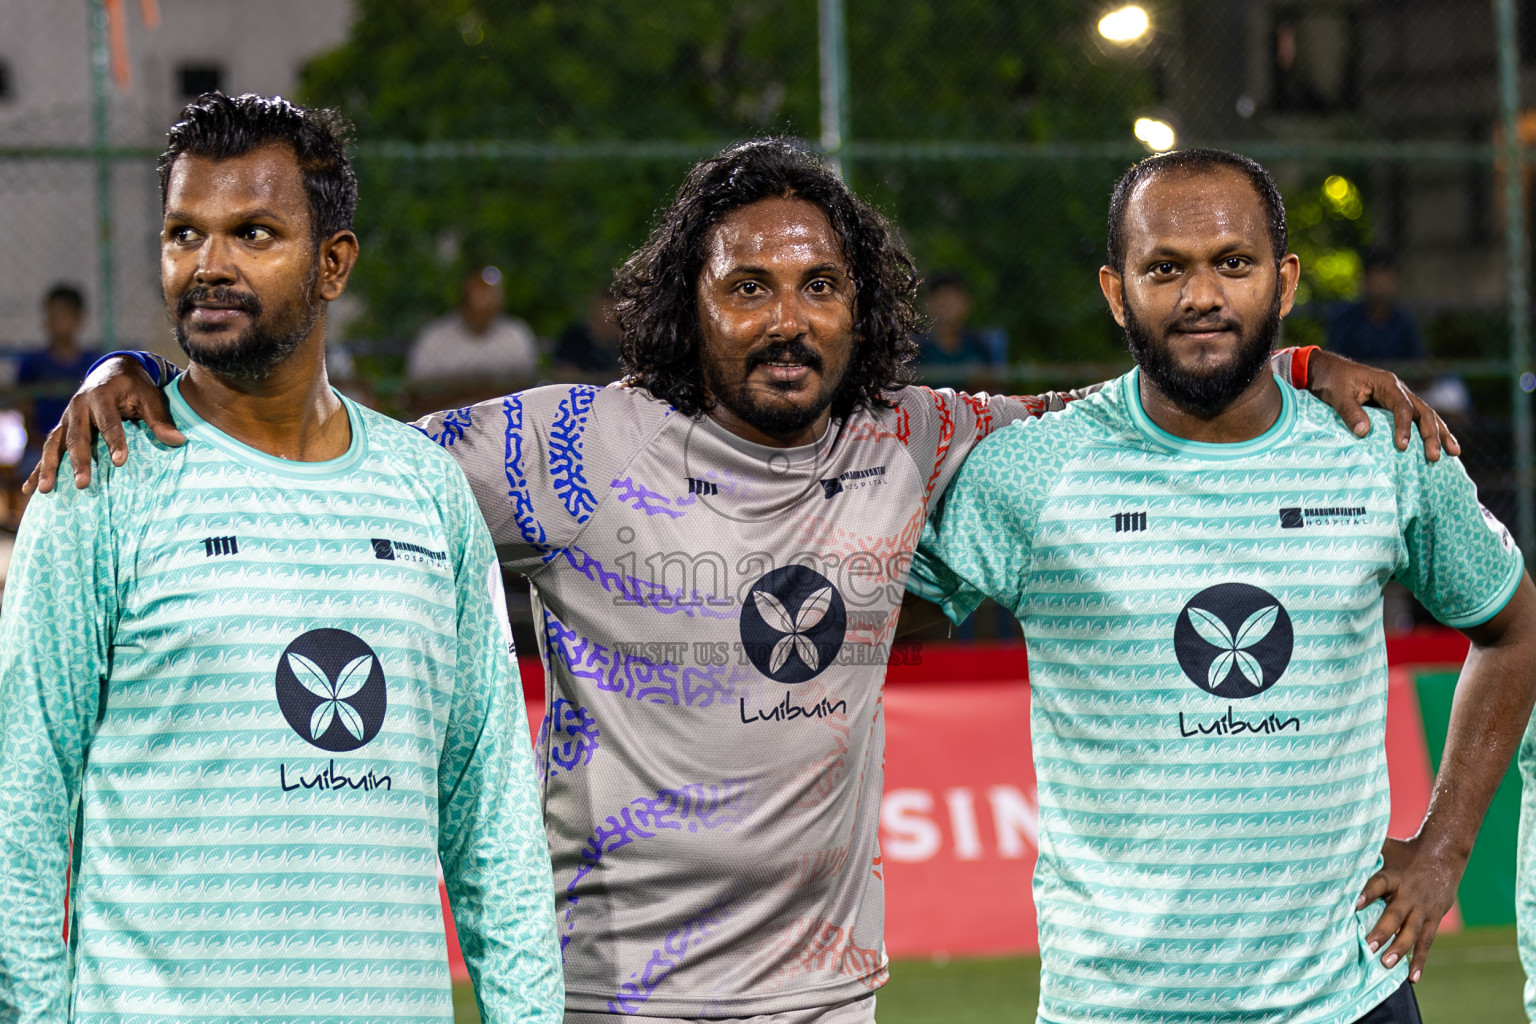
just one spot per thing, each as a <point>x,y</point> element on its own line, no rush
<point>640,89</point>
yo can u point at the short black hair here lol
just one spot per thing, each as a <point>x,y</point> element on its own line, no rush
<point>1380,259</point>
<point>66,293</point>
<point>1194,161</point>
<point>657,311</point>
<point>220,127</point>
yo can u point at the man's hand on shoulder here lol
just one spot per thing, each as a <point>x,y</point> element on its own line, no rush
<point>1348,386</point>
<point>116,390</point>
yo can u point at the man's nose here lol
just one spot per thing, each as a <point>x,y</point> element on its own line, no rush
<point>1202,292</point>
<point>789,319</point>
<point>215,263</point>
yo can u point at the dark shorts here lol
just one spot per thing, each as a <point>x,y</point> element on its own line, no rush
<point>1400,1008</point>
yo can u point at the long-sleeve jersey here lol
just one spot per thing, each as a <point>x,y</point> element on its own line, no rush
<point>262,699</point>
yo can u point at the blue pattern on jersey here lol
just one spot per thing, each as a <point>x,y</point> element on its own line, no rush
<point>665,958</point>
<point>570,735</point>
<point>517,481</point>
<point>454,425</point>
<point>566,470</point>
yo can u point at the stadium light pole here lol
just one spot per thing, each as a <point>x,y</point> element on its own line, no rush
<point>834,81</point>
<point>1519,270</point>
<point>101,60</point>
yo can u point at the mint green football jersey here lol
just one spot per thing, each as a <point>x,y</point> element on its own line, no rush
<point>260,700</point>
<point>1209,690</point>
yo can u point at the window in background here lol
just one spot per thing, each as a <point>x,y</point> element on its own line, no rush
<point>196,79</point>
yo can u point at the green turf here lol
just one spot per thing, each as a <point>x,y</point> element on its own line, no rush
<point>1472,978</point>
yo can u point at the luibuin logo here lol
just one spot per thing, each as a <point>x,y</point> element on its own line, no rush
<point>331,689</point>
<point>1233,640</point>
<point>793,624</point>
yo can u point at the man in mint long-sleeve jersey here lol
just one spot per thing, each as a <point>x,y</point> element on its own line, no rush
<point>259,685</point>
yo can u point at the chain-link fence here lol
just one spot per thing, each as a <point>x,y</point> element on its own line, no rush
<point>541,138</point>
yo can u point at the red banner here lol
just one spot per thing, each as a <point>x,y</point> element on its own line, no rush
<point>958,825</point>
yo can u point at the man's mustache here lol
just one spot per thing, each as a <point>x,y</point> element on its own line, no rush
<point>785,352</point>
<point>222,295</point>
<point>1196,324</point>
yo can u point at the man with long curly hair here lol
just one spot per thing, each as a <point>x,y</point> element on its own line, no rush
<point>718,546</point>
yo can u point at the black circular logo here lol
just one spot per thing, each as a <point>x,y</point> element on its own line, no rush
<point>792,624</point>
<point>330,686</point>
<point>1233,640</point>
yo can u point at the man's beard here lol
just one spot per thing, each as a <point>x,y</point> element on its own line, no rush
<point>776,418</point>
<point>256,352</point>
<point>1204,394</point>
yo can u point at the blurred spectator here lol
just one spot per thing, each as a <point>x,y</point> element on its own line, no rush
<point>1376,328</point>
<point>478,343</point>
<point>54,371</point>
<point>952,354</point>
<point>590,348</point>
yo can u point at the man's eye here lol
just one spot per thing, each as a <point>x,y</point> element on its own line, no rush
<point>1234,263</point>
<point>1163,269</point>
<point>820,286</point>
<point>749,287</point>
<point>255,233</point>
<point>183,235</point>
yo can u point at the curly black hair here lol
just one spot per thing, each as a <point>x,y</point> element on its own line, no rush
<point>656,287</point>
<point>221,127</point>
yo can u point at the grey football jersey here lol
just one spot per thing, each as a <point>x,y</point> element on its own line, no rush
<point>715,620</point>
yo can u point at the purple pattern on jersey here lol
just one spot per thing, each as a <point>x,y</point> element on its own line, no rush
<point>639,678</point>
<point>570,735</point>
<point>633,994</point>
<point>643,593</point>
<point>453,426</point>
<point>566,470</point>
<point>517,481</point>
<point>642,499</point>
<point>709,805</point>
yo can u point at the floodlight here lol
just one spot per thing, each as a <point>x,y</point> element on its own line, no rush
<point>1125,25</point>
<point>1154,134</point>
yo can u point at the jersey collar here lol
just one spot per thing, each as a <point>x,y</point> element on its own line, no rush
<point>197,428</point>
<point>1130,386</point>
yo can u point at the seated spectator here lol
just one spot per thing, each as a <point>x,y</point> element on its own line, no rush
<point>589,349</point>
<point>53,371</point>
<point>477,345</point>
<point>952,355</point>
<point>1375,329</point>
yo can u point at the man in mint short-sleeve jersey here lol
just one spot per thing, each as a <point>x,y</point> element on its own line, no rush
<point>260,684</point>
<point>1197,555</point>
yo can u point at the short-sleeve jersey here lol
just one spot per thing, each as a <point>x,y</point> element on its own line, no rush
<point>716,617</point>
<point>1208,691</point>
<point>263,698</point>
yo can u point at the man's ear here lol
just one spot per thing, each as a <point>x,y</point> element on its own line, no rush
<point>338,255</point>
<point>1290,277</point>
<point>1113,287</point>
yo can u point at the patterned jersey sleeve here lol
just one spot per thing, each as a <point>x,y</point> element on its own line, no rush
<point>527,460</point>
<point>491,834</point>
<point>976,545</point>
<point>55,632</point>
<point>1457,558</point>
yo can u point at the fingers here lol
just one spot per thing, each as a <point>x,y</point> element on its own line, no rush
<point>1403,414</point>
<point>47,468</point>
<point>77,442</point>
<point>1353,414</point>
<point>1389,924</point>
<point>1380,885</point>
<point>1421,950</point>
<point>157,416</point>
<point>1407,936</point>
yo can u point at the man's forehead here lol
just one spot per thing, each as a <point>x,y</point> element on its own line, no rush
<point>1196,202</point>
<point>776,228</point>
<point>267,173</point>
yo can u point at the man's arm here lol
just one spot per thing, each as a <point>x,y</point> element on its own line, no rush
<point>491,835</point>
<point>54,635</point>
<point>121,387</point>
<point>1494,695</point>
